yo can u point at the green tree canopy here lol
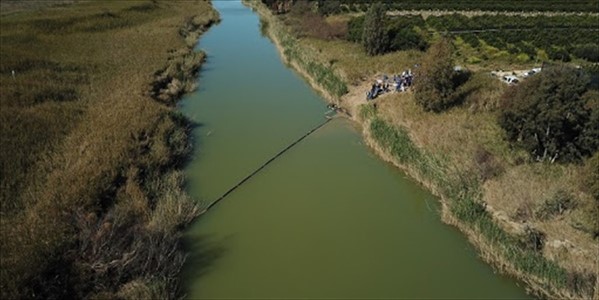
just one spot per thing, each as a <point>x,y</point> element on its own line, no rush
<point>374,35</point>
<point>433,85</point>
<point>552,115</point>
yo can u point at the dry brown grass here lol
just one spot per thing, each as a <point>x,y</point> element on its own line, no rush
<point>522,191</point>
<point>313,25</point>
<point>355,65</point>
<point>92,156</point>
<point>520,188</point>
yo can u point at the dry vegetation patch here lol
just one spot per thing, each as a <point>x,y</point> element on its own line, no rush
<point>89,197</point>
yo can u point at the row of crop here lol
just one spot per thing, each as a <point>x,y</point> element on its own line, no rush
<point>558,44</point>
<point>559,36</point>
<point>455,22</point>
<point>576,36</point>
<point>484,5</point>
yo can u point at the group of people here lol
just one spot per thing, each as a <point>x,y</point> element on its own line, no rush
<point>399,82</point>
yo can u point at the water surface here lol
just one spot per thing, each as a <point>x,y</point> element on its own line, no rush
<point>327,219</point>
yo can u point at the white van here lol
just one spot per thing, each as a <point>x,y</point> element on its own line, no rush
<point>511,79</point>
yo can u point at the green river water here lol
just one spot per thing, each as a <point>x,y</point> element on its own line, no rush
<point>327,219</point>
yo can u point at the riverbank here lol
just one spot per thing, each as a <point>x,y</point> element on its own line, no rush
<point>93,204</point>
<point>473,193</point>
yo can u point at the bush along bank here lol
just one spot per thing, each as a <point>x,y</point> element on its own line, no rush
<point>322,76</point>
<point>179,75</point>
<point>517,254</point>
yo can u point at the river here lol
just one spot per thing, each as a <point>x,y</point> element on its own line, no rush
<point>327,219</point>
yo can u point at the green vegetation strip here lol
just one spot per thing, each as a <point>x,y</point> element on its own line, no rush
<point>463,192</point>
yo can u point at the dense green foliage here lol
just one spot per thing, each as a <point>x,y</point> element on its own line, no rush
<point>551,117</point>
<point>485,5</point>
<point>336,6</point>
<point>434,89</point>
<point>557,35</point>
<point>561,37</point>
<point>589,52</point>
<point>456,22</point>
<point>355,27</point>
<point>403,35</point>
<point>400,33</point>
<point>329,7</point>
<point>374,37</point>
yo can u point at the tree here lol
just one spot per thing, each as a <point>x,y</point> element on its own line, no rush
<point>374,35</point>
<point>329,7</point>
<point>433,84</point>
<point>355,27</point>
<point>552,115</point>
<point>406,39</point>
<point>589,52</point>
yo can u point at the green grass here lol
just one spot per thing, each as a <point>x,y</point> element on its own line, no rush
<point>397,141</point>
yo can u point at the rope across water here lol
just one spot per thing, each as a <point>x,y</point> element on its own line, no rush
<point>265,164</point>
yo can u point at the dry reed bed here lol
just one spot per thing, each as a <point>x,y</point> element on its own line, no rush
<point>100,207</point>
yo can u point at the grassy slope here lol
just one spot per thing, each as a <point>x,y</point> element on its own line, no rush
<point>91,204</point>
<point>490,191</point>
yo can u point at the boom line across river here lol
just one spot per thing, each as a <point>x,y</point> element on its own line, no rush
<point>265,164</point>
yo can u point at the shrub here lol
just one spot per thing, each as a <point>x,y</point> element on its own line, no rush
<point>486,164</point>
<point>407,39</point>
<point>560,202</point>
<point>355,27</point>
<point>374,37</point>
<point>532,239</point>
<point>434,87</point>
<point>329,7</point>
<point>301,7</point>
<point>278,6</point>
<point>589,52</point>
<point>558,54</point>
<point>547,116</point>
<point>471,39</point>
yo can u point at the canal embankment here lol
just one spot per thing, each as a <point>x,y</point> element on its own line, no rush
<point>498,240</point>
